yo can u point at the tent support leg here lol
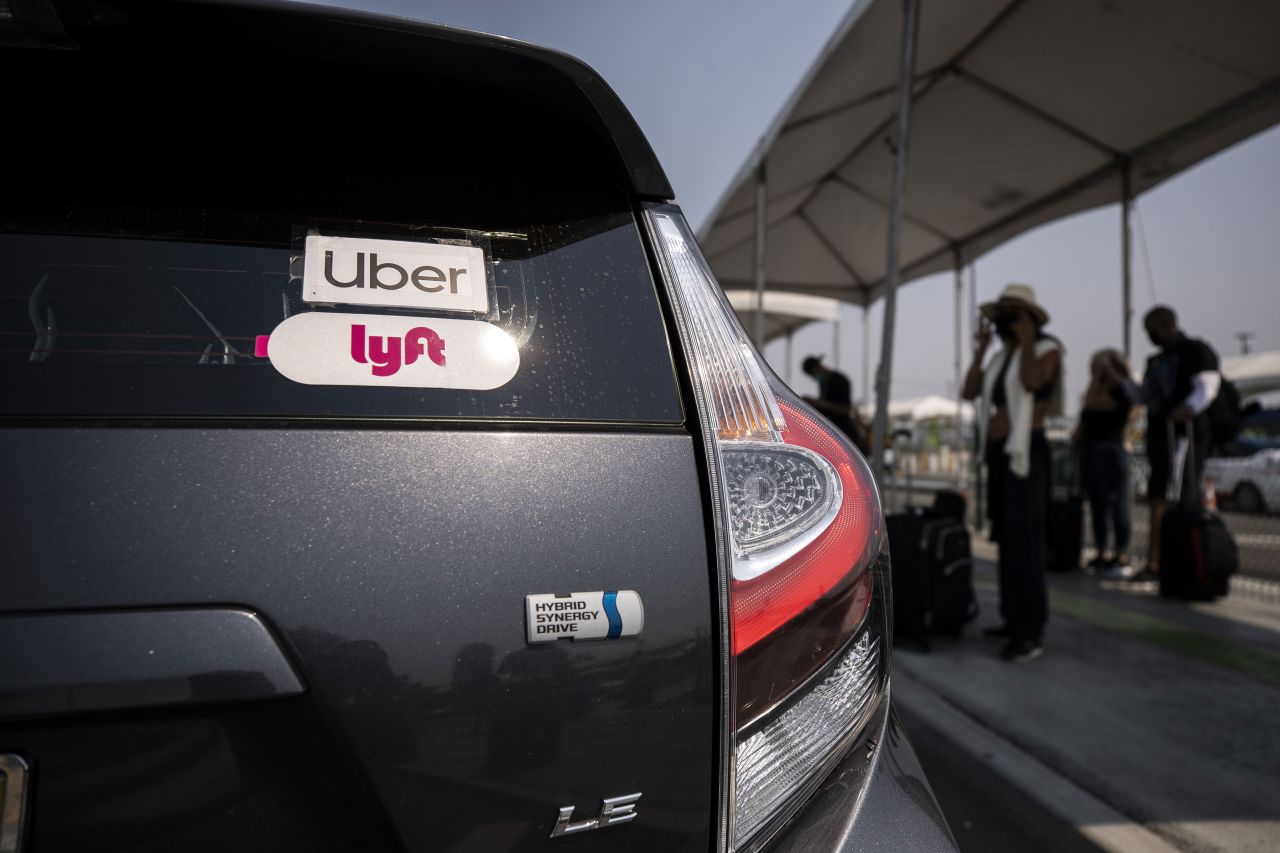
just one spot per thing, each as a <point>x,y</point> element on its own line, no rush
<point>906,71</point>
<point>759,261</point>
<point>835,343</point>
<point>959,435</point>
<point>979,498</point>
<point>788,359</point>
<point>1126,259</point>
<point>866,355</point>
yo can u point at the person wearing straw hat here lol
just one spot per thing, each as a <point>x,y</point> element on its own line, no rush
<point>1016,390</point>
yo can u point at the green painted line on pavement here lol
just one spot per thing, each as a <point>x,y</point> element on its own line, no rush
<point>1162,633</point>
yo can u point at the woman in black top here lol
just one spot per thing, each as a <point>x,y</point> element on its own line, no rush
<point>1104,462</point>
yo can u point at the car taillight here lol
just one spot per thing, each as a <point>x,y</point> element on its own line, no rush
<point>801,530</point>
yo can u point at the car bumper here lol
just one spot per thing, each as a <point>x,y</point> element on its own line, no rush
<point>876,798</point>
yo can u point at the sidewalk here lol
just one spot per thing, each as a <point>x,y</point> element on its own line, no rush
<point>1147,726</point>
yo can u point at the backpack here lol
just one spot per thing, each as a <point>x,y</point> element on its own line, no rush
<point>1225,414</point>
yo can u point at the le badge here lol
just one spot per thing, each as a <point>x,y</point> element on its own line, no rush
<point>583,616</point>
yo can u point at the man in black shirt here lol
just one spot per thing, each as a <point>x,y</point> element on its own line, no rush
<point>835,400</point>
<point>1180,383</point>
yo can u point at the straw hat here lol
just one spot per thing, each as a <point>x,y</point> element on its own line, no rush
<point>1016,296</point>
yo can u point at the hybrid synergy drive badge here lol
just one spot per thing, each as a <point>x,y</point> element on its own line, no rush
<point>583,615</point>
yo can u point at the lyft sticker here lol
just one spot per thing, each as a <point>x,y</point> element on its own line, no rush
<point>583,616</point>
<point>393,351</point>
<point>394,274</point>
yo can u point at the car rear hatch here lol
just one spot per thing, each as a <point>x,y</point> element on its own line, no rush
<point>266,574</point>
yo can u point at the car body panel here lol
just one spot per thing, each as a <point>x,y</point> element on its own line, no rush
<point>395,564</point>
<point>385,559</point>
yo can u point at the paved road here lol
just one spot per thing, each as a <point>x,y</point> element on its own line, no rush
<point>1155,708</point>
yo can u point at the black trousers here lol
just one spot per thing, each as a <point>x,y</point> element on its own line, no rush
<point>1019,524</point>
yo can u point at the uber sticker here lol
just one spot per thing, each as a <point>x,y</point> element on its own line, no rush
<point>379,349</point>
<point>394,274</point>
<point>583,615</point>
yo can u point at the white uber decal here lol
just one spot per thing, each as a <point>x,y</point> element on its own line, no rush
<point>384,350</point>
<point>394,274</point>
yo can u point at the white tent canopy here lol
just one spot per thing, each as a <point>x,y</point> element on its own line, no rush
<point>919,409</point>
<point>1254,374</point>
<point>1023,111</point>
<point>784,312</point>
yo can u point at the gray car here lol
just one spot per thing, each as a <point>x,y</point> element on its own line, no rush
<point>384,469</point>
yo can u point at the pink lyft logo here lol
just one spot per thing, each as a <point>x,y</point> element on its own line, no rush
<point>384,352</point>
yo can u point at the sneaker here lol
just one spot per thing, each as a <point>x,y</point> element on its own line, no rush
<point>1098,563</point>
<point>1022,651</point>
<point>1145,576</point>
<point>999,632</point>
<point>1114,572</point>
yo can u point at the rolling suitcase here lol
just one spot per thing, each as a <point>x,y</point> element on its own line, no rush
<point>1065,527</point>
<point>1198,554</point>
<point>947,553</point>
<point>932,572</point>
<point>1066,533</point>
<point>910,578</point>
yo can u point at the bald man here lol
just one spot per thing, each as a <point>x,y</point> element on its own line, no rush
<point>1180,383</point>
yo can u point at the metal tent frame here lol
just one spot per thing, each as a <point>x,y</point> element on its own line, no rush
<point>1030,110</point>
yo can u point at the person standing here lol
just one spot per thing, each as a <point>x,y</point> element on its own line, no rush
<point>1180,383</point>
<point>835,400</point>
<point>1104,461</point>
<point>1016,389</point>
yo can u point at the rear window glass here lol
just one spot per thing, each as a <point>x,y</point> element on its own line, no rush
<point>143,264</point>
<point>110,326</point>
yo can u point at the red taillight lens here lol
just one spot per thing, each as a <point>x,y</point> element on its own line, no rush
<point>762,604</point>
<point>801,533</point>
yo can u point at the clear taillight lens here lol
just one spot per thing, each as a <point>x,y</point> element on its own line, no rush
<point>803,531</point>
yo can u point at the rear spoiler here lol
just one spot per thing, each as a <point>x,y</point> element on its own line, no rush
<point>58,24</point>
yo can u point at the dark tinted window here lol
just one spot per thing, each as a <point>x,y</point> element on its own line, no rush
<point>146,231</point>
<point>119,327</point>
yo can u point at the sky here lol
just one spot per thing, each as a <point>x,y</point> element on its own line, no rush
<point>705,79</point>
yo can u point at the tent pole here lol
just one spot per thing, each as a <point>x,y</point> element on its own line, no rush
<point>760,188</point>
<point>959,296</point>
<point>788,359</point>
<point>979,504</point>
<point>906,71</point>
<point>866,354</point>
<point>1126,258</point>
<point>835,343</point>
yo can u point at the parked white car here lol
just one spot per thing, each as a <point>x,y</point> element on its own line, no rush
<point>1251,483</point>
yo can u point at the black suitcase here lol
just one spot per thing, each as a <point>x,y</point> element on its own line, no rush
<point>932,575</point>
<point>947,552</point>
<point>910,576</point>
<point>949,504</point>
<point>1066,533</point>
<point>1198,555</point>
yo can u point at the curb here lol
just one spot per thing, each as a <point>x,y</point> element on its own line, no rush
<point>1051,807</point>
